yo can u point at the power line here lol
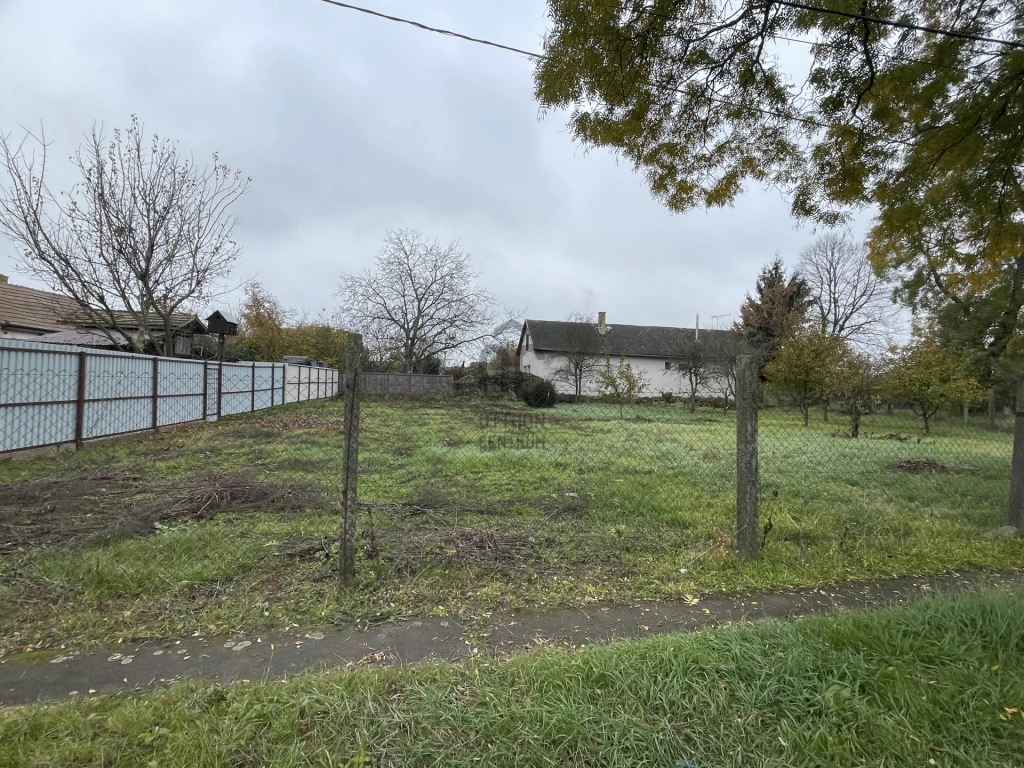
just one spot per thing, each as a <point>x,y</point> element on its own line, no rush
<point>900,24</point>
<point>436,30</point>
<point>541,57</point>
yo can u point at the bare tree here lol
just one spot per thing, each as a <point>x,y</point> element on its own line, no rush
<point>146,232</point>
<point>581,352</point>
<point>722,349</point>
<point>691,365</point>
<point>420,302</point>
<point>845,297</point>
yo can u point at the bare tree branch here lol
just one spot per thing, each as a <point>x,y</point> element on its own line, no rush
<point>419,303</point>
<point>845,296</point>
<point>581,353</point>
<point>145,234</point>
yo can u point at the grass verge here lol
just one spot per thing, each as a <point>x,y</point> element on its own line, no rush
<point>938,683</point>
<point>475,507</point>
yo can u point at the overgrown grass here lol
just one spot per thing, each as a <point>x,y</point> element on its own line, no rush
<point>469,509</point>
<point>940,683</point>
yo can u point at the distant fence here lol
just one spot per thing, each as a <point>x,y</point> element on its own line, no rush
<point>53,395</point>
<point>399,383</point>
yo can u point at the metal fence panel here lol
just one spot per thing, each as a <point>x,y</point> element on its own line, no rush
<point>37,398</point>
<point>180,391</point>
<point>53,394</point>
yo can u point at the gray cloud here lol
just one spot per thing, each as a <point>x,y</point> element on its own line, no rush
<point>351,125</point>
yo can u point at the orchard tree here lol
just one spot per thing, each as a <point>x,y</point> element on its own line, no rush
<point>146,233</point>
<point>911,109</point>
<point>419,303</point>
<point>581,352</point>
<point>853,386</point>
<point>622,384</point>
<point>805,367</point>
<point>693,368</point>
<point>929,376</point>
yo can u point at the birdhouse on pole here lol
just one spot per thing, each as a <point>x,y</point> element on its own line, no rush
<point>222,325</point>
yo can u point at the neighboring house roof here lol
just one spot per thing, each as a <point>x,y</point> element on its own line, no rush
<point>30,309</point>
<point>180,321</point>
<point>617,340</point>
<point>86,337</point>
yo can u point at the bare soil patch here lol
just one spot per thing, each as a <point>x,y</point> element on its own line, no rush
<point>78,510</point>
<point>930,467</point>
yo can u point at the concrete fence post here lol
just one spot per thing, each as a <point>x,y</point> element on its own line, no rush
<point>350,461</point>
<point>748,480</point>
<point>1016,512</point>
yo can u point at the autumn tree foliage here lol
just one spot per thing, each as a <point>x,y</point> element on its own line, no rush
<point>922,129</point>
<point>804,369</point>
<point>268,330</point>
<point>776,310</point>
<point>929,376</point>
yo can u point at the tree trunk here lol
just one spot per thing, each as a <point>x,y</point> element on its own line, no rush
<point>927,427</point>
<point>693,402</point>
<point>992,408</point>
<point>967,413</point>
<point>824,411</point>
<point>855,422</point>
<point>807,414</point>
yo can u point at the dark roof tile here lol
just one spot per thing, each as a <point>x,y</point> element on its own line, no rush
<point>629,340</point>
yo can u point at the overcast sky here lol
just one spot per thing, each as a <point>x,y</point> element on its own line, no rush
<point>350,125</point>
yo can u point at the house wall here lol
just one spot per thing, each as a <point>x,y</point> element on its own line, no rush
<point>545,364</point>
<point>7,333</point>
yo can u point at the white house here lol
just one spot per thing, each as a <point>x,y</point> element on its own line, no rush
<point>548,347</point>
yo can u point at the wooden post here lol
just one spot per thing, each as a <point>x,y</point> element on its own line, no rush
<point>80,402</point>
<point>252,407</point>
<point>156,393</point>
<point>1016,513</point>
<point>350,461</point>
<point>748,481</point>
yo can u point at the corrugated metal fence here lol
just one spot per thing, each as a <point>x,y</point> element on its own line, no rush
<point>52,395</point>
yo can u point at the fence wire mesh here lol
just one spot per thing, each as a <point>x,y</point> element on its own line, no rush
<point>469,500</point>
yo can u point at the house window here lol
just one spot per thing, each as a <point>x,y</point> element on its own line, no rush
<point>526,368</point>
<point>668,365</point>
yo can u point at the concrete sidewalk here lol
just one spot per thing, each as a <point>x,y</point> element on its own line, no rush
<point>32,677</point>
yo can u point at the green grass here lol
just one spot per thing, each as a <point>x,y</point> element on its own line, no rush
<point>940,683</point>
<point>466,514</point>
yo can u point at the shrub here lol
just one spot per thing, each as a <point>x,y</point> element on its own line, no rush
<point>540,394</point>
<point>668,398</point>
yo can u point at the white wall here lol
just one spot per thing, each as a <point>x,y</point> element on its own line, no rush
<point>545,364</point>
<point>9,334</point>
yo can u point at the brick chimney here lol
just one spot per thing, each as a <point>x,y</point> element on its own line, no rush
<point>601,327</point>
<point>3,279</point>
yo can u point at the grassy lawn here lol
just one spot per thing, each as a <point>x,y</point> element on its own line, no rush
<point>473,507</point>
<point>940,683</point>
